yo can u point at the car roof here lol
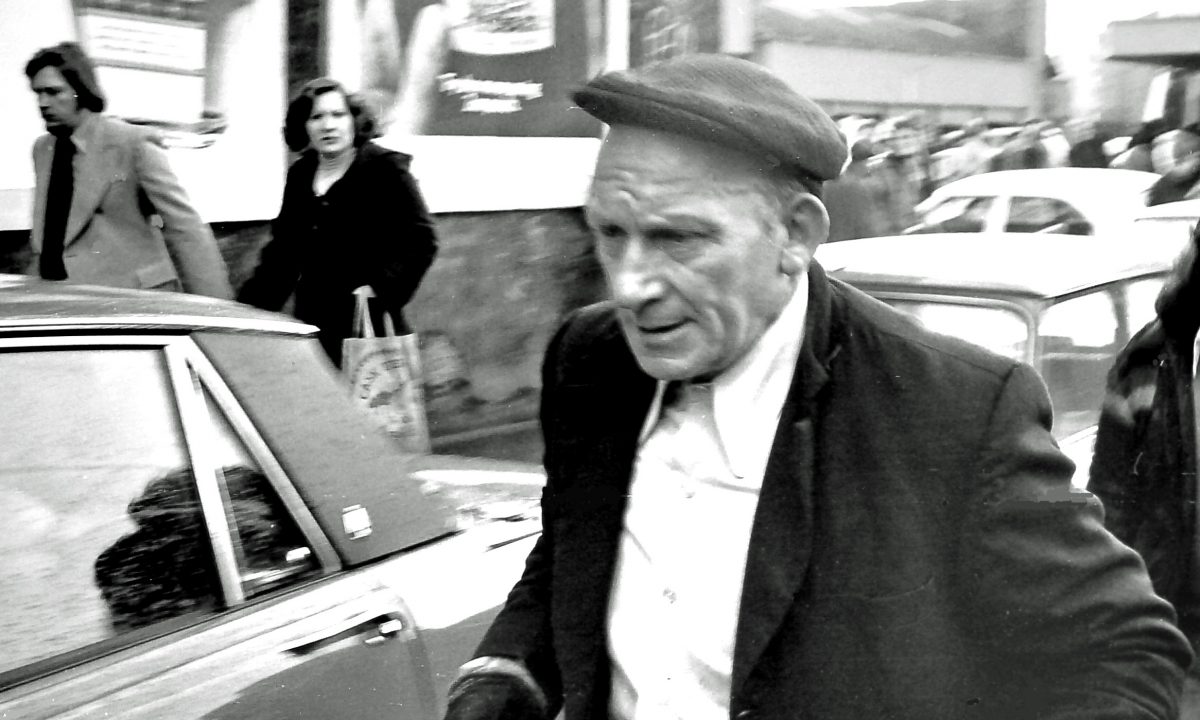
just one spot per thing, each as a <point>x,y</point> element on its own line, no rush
<point>1051,182</point>
<point>1178,209</point>
<point>27,302</point>
<point>1026,264</point>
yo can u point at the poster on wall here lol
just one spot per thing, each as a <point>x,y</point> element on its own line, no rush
<point>494,68</point>
<point>203,73</point>
<point>663,29</point>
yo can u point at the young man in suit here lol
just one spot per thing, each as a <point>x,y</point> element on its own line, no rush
<point>103,186</point>
<point>771,496</point>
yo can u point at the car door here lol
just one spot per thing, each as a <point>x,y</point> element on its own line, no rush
<point>157,563</point>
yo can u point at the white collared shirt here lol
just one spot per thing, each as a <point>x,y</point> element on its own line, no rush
<point>677,586</point>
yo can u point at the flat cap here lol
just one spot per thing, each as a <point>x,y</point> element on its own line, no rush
<point>726,101</point>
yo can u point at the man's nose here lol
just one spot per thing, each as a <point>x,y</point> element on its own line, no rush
<point>634,274</point>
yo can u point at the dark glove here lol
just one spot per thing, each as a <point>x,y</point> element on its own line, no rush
<point>493,696</point>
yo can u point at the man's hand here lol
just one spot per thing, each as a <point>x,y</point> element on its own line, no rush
<point>495,689</point>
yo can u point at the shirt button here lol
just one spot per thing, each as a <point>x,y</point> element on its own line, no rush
<point>669,595</point>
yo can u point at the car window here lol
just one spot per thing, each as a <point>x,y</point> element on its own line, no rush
<point>105,532</point>
<point>1079,339</point>
<point>1039,214</point>
<point>269,548</point>
<point>998,329</point>
<point>1139,302</point>
<point>958,214</point>
<point>103,535</point>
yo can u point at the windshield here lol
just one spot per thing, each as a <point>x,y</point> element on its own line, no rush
<point>998,329</point>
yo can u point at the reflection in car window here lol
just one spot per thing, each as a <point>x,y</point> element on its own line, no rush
<point>87,489</point>
<point>270,549</point>
<point>1040,214</point>
<point>997,329</point>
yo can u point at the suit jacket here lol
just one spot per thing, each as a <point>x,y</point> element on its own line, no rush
<point>123,180</point>
<point>917,550</point>
<point>370,228</point>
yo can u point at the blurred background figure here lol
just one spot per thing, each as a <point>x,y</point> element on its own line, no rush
<point>1087,149</point>
<point>1136,155</point>
<point>1056,144</point>
<point>976,154</point>
<point>1024,150</point>
<point>1176,154</point>
<point>352,216</point>
<point>903,168</point>
<point>856,200</point>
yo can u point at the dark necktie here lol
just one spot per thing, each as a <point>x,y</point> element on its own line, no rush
<point>58,207</point>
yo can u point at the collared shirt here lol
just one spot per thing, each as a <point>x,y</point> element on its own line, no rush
<point>677,587</point>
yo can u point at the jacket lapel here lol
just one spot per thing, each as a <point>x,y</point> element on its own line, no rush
<point>590,505</point>
<point>781,538</point>
<point>94,172</point>
<point>43,156</point>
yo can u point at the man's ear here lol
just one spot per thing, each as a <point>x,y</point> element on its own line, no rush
<point>807,224</point>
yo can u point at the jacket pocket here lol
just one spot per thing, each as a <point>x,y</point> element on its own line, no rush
<point>883,613</point>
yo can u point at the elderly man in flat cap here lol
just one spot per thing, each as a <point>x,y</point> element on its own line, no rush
<point>770,496</point>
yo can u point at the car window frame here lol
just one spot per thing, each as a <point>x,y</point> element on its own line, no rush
<point>188,373</point>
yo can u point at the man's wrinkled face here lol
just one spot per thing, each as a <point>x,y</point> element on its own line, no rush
<point>698,257</point>
<point>56,100</point>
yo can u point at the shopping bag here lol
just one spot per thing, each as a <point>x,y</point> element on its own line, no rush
<point>385,376</point>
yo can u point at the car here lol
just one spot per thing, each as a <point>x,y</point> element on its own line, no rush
<point>198,522</point>
<point>1064,304</point>
<point>1072,201</point>
<point>1167,225</point>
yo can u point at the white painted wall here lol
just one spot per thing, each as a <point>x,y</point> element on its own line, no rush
<point>842,78</point>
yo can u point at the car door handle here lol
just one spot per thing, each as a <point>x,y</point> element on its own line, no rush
<point>382,626</point>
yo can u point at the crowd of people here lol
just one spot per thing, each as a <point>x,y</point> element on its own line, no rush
<point>768,495</point>
<point>896,162</point>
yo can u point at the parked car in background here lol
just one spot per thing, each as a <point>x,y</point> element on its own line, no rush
<point>1167,227</point>
<point>1066,305</point>
<point>199,524</point>
<point>1072,201</point>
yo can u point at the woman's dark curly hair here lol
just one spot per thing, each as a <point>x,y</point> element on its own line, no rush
<point>299,110</point>
<point>70,60</point>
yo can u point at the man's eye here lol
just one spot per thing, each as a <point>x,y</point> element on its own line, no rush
<point>676,237</point>
<point>608,231</point>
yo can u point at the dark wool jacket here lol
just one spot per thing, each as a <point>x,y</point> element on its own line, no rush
<point>370,228</point>
<point>917,550</point>
<point>1144,463</point>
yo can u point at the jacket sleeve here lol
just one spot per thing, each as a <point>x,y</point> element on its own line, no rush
<point>522,630</point>
<point>1062,608</point>
<point>278,269</point>
<point>407,242</point>
<point>189,240</point>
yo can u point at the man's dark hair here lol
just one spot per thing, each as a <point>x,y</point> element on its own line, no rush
<point>76,68</point>
<point>299,110</point>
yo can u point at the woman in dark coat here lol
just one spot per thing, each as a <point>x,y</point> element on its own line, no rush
<point>352,215</point>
